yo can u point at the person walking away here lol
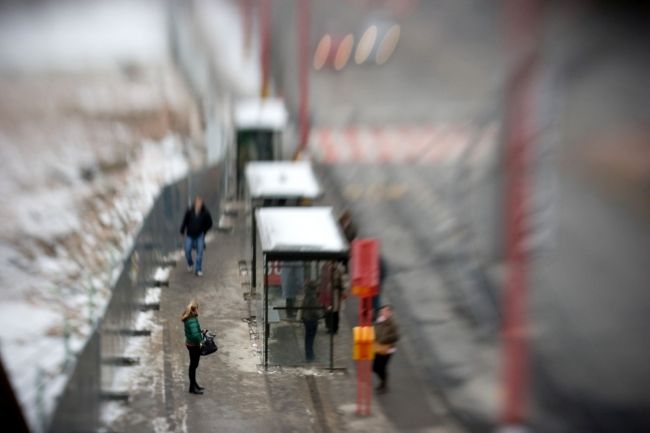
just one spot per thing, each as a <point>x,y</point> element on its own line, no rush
<point>196,223</point>
<point>292,279</point>
<point>310,313</point>
<point>386,335</point>
<point>193,338</point>
<point>331,294</point>
<point>348,226</point>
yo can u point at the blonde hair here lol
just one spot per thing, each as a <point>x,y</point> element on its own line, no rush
<point>192,309</point>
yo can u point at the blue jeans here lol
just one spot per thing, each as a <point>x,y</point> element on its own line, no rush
<point>198,244</point>
<point>311,326</point>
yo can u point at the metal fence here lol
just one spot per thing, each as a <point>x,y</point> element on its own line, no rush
<point>92,373</point>
<point>94,370</point>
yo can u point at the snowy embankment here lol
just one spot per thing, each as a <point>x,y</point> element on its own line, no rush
<point>93,122</point>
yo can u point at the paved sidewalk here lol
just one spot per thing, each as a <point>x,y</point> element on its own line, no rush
<point>239,396</point>
<point>441,364</point>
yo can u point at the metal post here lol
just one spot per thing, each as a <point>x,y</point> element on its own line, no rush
<point>522,39</point>
<point>265,315</point>
<point>331,270</point>
<point>364,373</point>
<point>303,72</point>
<point>265,33</point>
<point>247,17</point>
<point>254,260</point>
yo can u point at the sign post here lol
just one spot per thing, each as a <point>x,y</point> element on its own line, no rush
<point>365,285</point>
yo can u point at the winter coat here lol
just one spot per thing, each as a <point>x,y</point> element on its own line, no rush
<point>310,301</point>
<point>331,282</point>
<point>195,225</point>
<point>386,335</point>
<point>193,335</point>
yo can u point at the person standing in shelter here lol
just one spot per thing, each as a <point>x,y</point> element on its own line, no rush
<point>293,278</point>
<point>331,294</point>
<point>196,223</point>
<point>193,339</point>
<point>310,314</point>
<point>386,335</point>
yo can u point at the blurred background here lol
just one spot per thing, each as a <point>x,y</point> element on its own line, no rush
<point>500,150</point>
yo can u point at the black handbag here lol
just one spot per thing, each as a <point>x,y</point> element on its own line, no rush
<point>208,344</point>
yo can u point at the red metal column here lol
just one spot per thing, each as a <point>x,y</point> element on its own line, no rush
<point>265,44</point>
<point>303,24</point>
<point>247,19</point>
<point>522,41</point>
<point>364,264</point>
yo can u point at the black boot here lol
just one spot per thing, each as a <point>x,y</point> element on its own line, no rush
<point>195,390</point>
<point>199,387</point>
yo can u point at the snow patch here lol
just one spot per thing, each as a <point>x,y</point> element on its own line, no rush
<point>161,275</point>
<point>153,295</point>
<point>60,266</point>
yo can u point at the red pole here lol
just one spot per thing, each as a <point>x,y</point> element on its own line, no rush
<point>364,367</point>
<point>523,28</point>
<point>247,17</point>
<point>364,266</point>
<point>304,12</point>
<point>368,388</point>
<point>265,44</point>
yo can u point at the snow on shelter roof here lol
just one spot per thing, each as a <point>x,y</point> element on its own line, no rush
<point>268,113</point>
<point>282,179</point>
<point>301,232</point>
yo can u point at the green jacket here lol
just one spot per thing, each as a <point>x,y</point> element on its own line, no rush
<point>193,336</point>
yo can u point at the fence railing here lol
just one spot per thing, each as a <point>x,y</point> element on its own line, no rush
<point>78,409</point>
<point>94,369</point>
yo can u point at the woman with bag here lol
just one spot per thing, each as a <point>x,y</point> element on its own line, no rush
<point>193,338</point>
<point>386,335</point>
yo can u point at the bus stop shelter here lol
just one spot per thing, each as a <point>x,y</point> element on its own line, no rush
<point>259,124</point>
<point>278,183</point>
<point>301,234</point>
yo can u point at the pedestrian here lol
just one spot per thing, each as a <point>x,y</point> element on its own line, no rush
<point>292,279</point>
<point>196,223</point>
<point>349,227</point>
<point>193,338</point>
<point>386,335</point>
<point>376,300</point>
<point>310,314</point>
<point>332,293</point>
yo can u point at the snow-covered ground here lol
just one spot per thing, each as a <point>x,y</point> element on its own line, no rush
<point>93,122</point>
<point>148,374</point>
<point>71,35</point>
